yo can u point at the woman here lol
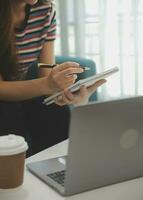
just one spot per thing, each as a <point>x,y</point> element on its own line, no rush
<point>27,34</point>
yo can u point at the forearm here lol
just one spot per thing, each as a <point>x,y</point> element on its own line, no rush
<point>22,90</point>
<point>44,72</point>
<point>47,56</point>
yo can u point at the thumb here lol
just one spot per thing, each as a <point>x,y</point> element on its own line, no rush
<point>83,90</point>
<point>94,87</point>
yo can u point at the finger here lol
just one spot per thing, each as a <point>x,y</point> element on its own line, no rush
<point>63,100</point>
<point>83,90</point>
<point>71,71</point>
<point>67,82</point>
<point>59,101</point>
<point>60,98</point>
<point>66,65</point>
<point>70,81</point>
<point>71,77</point>
<point>69,95</point>
<point>100,82</point>
<point>66,99</point>
<point>96,85</point>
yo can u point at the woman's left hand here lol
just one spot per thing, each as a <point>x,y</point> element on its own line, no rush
<point>80,97</point>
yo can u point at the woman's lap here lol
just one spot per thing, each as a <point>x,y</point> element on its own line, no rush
<point>12,121</point>
<point>11,118</point>
<point>48,125</point>
<point>43,125</point>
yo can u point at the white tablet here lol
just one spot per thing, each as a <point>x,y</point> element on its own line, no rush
<point>86,82</point>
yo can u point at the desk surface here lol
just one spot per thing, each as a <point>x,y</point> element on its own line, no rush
<point>34,189</point>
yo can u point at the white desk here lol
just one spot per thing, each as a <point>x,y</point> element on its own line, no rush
<point>34,189</point>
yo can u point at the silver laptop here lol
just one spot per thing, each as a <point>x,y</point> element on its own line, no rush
<point>105,147</point>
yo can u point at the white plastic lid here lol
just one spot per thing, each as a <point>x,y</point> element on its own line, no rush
<point>12,144</point>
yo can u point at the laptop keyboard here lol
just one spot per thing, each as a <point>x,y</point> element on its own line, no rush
<point>58,177</point>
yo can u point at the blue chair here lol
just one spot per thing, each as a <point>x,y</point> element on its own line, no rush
<point>33,71</point>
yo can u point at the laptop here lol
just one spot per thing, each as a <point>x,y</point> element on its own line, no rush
<point>105,147</point>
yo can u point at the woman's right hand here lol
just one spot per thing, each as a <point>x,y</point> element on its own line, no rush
<point>62,76</point>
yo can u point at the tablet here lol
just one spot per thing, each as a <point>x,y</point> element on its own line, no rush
<point>86,82</point>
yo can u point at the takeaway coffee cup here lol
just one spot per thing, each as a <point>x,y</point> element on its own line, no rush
<point>12,157</point>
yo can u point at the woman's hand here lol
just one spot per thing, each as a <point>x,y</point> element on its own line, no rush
<point>62,76</point>
<point>80,97</point>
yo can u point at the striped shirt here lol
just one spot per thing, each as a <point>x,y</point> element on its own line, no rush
<point>38,28</point>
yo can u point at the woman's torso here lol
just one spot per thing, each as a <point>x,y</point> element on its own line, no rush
<point>38,27</point>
